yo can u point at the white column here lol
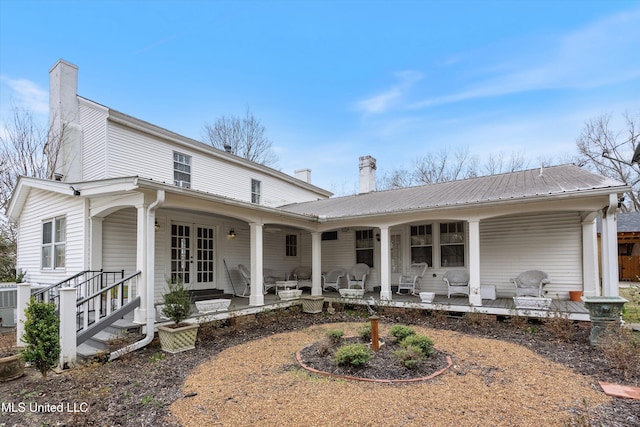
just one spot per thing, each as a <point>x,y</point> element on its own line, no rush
<point>316,264</point>
<point>475,298</point>
<point>95,260</point>
<point>610,249</point>
<point>67,328</point>
<point>257,278</point>
<point>23,296</point>
<point>385,265</point>
<point>140,313</point>
<point>590,257</point>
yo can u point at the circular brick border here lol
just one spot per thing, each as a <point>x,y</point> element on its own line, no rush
<point>371,380</point>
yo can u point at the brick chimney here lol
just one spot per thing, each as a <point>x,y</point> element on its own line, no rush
<point>367,174</point>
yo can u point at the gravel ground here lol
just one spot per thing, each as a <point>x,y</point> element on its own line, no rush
<point>245,373</point>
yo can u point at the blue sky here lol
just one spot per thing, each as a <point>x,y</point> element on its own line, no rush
<point>331,80</point>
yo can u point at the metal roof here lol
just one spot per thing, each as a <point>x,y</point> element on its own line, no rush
<point>542,182</point>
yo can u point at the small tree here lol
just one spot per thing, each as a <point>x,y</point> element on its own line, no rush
<point>42,335</point>
<point>177,302</point>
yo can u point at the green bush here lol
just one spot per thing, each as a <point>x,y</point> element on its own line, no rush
<point>335,335</point>
<point>177,302</point>
<point>42,335</point>
<point>410,356</point>
<point>353,354</point>
<point>425,344</point>
<point>365,332</point>
<point>400,332</point>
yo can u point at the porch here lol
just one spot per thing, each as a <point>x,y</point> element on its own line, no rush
<point>500,306</point>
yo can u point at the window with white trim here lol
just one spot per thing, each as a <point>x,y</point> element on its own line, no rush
<point>54,239</point>
<point>422,244</point>
<point>181,170</point>
<point>364,247</point>
<point>452,244</point>
<point>256,192</point>
<point>291,245</point>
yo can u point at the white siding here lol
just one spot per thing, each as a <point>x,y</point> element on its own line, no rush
<point>94,147</point>
<point>42,205</point>
<point>549,242</point>
<point>135,153</point>
<point>119,237</point>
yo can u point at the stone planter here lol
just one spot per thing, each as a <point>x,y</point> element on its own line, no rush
<point>290,294</point>
<point>532,303</point>
<point>604,312</point>
<point>176,340</point>
<point>351,293</point>
<point>11,367</point>
<point>312,304</point>
<point>213,305</point>
<point>427,296</point>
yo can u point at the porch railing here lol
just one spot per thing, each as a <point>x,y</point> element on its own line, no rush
<point>86,283</point>
<point>105,300</point>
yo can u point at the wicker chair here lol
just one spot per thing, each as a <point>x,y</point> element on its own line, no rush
<point>457,282</point>
<point>332,279</point>
<point>357,276</point>
<point>531,283</point>
<point>409,281</point>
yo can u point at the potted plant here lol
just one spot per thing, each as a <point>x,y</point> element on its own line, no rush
<point>177,336</point>
<point>11,361</point>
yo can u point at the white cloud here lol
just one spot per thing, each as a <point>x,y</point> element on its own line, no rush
<point>383,101</point>
<point>26,94</point>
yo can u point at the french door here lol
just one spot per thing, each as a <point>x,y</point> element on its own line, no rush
<point>193,254</point>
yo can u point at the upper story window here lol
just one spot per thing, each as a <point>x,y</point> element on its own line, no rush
<point>54,237</point>
<point>256,191</point>
<point>452,244</point>
<point>422,244</point>
<point>291,245</point>
<point>364,247</point>
<point>181,170</point>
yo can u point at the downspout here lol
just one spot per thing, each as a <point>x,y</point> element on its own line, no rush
<point>151,314</point>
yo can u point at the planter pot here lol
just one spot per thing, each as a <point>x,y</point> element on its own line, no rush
<point>427,296</point>
<point>604,312</point>
<point>532,303</point>
<point>290,294</point>
<point>11,367</point>
<point>351,293</point>
<point>575,296</point>
<point>213,305</point>
<point>312,304</point>
<point>176,340</point>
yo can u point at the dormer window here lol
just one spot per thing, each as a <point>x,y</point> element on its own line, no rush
<point>255,191</point>
<point>181,170</point>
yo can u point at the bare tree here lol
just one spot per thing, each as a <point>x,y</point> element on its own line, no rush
<point>500,164</point>
<point>608,152</point>
<point>242,136</point>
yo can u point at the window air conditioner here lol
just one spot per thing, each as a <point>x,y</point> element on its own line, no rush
<point>183,184</point>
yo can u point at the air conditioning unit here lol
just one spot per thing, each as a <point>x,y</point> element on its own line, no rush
<point>183,184</point>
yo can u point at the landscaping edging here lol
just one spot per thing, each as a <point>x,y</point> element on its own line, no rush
<point>371,380</point>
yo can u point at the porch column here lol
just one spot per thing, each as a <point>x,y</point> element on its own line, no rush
<point>257,274</point>
<point>590,256</point>
<point>316,264</point>
<point>610,249</point>
<point>95,226</point>
<point>474,263</point>
<point>385,265</point>
<point>140,313</point>
<point>67,332</point>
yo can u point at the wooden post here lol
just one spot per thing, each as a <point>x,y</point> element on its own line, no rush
<point>375,343</point>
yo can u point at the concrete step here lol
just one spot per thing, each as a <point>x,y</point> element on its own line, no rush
<point>99,344</point>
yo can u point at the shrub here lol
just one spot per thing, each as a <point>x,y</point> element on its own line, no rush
<point>365,332</point>
<point>353,354</point>
<point>42,335</point>
<point>400,332</point>
<point>335,335</point>
<point>425,344</point>
<point>559,325</point>
<point>177,302</point>
<point>410,356</point>
<point>622,348</point>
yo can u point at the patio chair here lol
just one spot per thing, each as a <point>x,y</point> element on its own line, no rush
<point>303,276</point>
<point>332,279</point>
<point>531,283</point>
<point>409,281</point>
<point>357,276</point>
<point>457,282</point>
<point>246,277</point>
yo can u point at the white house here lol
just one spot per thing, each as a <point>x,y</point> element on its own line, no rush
<point>131,196</point>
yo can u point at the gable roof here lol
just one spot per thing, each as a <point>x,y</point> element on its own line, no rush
<point>529,184</point>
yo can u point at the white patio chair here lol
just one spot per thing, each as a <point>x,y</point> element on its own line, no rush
<point>457,282</point>
<point>409,282</point>
<point>246,277</point>
<point>357,276</point>
<point>531,283</point>
<point>332,279</point>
